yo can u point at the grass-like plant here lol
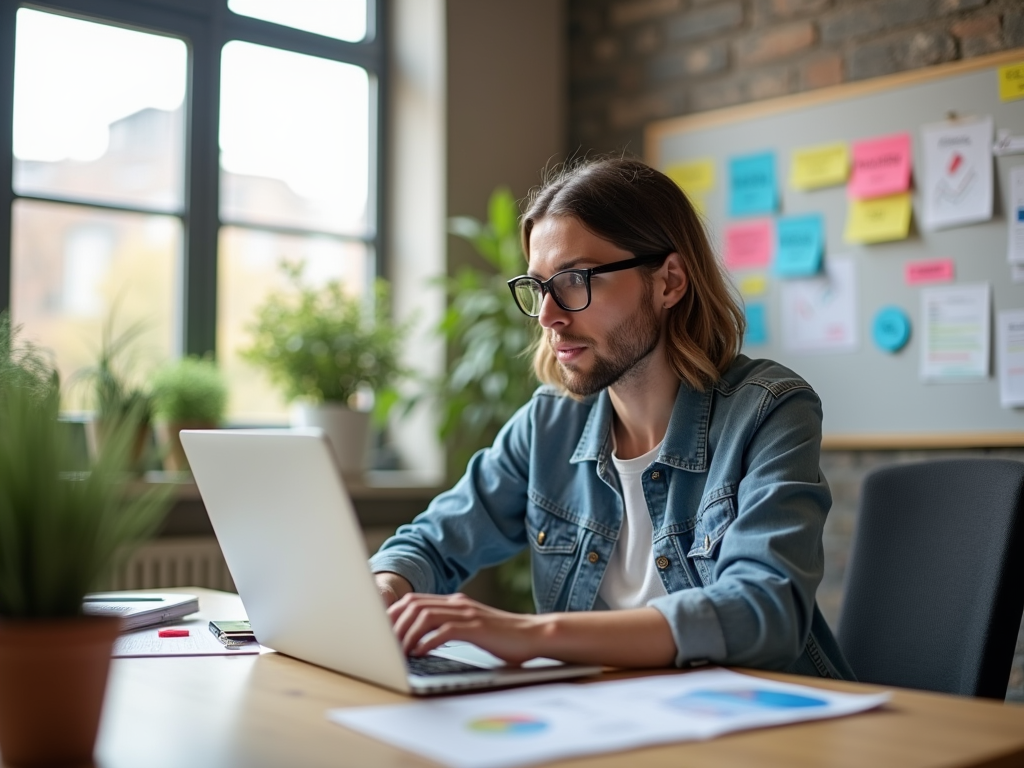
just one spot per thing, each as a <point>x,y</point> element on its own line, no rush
<point>324,345</point>
<point>190,390</point>
<point>60,532</point>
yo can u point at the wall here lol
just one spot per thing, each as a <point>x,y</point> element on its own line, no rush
<point>634,61</point>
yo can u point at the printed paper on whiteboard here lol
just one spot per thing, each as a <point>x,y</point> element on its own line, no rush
<point>957,186</point>
<point>1015,217</point>
<point>955,327</point>
<point>1010,345</point>
<point>820,314</point>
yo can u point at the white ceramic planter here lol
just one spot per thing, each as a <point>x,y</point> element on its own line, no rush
<point>348,431</point>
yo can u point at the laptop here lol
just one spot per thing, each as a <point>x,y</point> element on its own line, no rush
<point>294,547</point>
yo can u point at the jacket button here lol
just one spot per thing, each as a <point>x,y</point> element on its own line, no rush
<point>662,562</point>
<point>540,537</point>
<point>593,557</point>
<point>655,475</point>
<point>707,542</point>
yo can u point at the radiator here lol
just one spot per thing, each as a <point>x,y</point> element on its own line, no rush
<point>174,562</point>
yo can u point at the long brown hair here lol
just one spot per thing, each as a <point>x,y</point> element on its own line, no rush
<point>641,210</point>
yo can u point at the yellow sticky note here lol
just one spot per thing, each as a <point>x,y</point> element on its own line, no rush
<point>693,177</point>
<point>878,220</point>
<point>1011,82</point>
<point>823,166</point>
<point>700,204</point>
<point>753,285</point>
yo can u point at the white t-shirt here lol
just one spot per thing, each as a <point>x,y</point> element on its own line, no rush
<point>631,578</point>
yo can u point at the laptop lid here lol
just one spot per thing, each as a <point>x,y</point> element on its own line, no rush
<point>296,552</point>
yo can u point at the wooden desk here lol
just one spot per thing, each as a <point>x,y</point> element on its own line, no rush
<point>268,710</point>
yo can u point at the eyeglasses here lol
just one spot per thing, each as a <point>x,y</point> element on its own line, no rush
<point>570,288</point>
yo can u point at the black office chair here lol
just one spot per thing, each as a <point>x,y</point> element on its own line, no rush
<point>935,584</point>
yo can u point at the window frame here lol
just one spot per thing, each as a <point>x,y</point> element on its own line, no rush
<point>205,26</point>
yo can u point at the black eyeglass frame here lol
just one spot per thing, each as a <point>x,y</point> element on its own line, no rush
<point>587,273</point>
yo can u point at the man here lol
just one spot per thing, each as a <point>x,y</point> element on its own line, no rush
<point>658,473</point>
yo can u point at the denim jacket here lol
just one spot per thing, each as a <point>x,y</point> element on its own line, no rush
<point>736,498</point>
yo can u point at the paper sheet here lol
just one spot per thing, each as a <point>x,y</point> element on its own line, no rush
<point>878,221</point>
<point>820,314</point>
<point>955,332</point>
<point>822,166</point>
<point>543,723</point>
<point>1010,345</point>
<point>881,166</point>
<point>957,185</point>
<point>752,187</point>
<point>1015,216</point>
<point>200,642</point>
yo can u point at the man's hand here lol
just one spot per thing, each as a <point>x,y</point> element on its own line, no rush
<point>392,587</point>
<point>424,622</point>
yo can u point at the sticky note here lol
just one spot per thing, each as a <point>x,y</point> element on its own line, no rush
<point>880,167</point>
<point>752,188</point>
<point>694,176</point>
<point>879,220</point>
<point>749,245</point>
<point>1011,82</point>
<point>928,271</point>
<point>800,245</point>
<point>823,166</point>
<point>891,329</point>
<point>753,285</point>
<point>757,328</point>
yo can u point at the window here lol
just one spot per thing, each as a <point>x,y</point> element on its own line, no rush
<point>166,157</point>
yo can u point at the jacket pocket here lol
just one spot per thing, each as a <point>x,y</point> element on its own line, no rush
<point>711,526</point>
<point>553,543</point>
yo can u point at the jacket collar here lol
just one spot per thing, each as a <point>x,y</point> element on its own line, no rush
<point>686,441</point>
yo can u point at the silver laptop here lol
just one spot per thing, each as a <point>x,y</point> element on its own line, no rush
<point>295,550</point>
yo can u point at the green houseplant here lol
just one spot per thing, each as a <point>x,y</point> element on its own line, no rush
<point>189,393</point>
<point>327,349</point>
<point>60,533</point>
<point>490,372</point>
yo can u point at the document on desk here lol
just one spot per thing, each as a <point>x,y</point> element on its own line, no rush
<point>198,642</point>
<point>551,722</point>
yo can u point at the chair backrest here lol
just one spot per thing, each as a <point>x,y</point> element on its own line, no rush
<point>935,583</point>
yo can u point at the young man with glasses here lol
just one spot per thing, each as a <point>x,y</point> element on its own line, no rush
<point>658,473</point>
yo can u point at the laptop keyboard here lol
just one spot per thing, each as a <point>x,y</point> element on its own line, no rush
<point>435,665</point>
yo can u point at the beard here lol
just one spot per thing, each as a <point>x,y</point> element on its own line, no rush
<point>628,345</point>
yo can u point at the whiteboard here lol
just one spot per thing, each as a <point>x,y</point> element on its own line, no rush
<point>872,398</point>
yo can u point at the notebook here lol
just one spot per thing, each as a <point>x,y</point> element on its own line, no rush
<point>139,609</point>
<point>294,547</point>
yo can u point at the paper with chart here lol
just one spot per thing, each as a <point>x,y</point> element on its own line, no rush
<point>957,187</point>
<point>820,314</point>
<point>199,642</point>
<point>1010,356</point>
<point>1015,217</point>
<point>542,723</point>
<point>955,332</point>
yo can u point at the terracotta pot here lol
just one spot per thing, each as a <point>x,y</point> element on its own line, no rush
<point>53,676</point>
<point>175,459</point>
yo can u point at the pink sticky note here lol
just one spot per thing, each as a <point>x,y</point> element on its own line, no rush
<point>880,167</point>
<point>928,271</point>
<point>749,245</point>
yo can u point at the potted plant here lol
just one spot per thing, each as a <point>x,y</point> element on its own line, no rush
<point>328,350</point>
<point>59,534</point>
<point>490,371</point>
<point>117,395</point>
<point>189,393</point>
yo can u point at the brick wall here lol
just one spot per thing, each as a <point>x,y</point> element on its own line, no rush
<point>634,61</point>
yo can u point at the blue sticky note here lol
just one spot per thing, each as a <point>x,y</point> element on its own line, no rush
<point>757,325</point>
<point>891,329</point>
<point>752,188</point>
<point>800,244</point>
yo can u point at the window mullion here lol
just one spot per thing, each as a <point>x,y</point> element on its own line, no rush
<point>8,11</point>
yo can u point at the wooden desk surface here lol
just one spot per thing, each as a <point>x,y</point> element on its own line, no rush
<point>268,710</point>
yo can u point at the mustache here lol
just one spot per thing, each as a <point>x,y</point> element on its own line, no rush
<point>569,339</point>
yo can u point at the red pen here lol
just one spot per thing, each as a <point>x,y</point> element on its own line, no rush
<point>172,633</point>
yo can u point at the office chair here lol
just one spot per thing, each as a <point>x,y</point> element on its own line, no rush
<point>935,584</point>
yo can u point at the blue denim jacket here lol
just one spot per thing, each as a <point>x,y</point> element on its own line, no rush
<point>737,502</point>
